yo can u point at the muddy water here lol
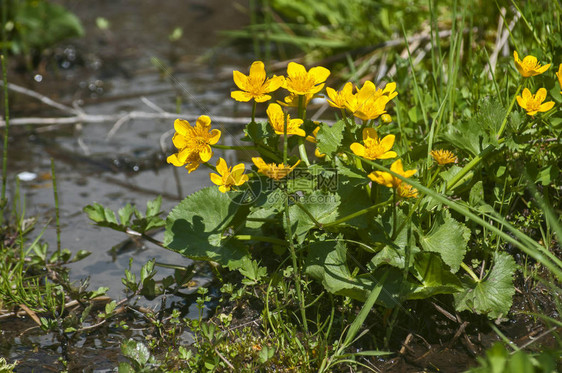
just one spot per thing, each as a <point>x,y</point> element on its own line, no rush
<point>108,72</point>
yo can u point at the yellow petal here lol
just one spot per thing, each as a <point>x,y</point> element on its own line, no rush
<point>390,87</point>
<point>173,159</point>
<point>526,94</point>
<point>387,142</point>
<point>397,167</point>
<point>240,80</point>
<point>521,101</point>
<point>257,71</point>
<point>388,155</point>
<point>274,83</point>
<point>369,133</point>
<point>216,179</point>
<point>546,106</point>
<point>204,121</point>
<point>543,69</point>
<point>241,96</point>
<point>206,154</point>
<point>295,69</point>
<point>262,98</point>
<point>214,136</point>
<point>224,188</point>
<point>540,95</point>
<point>222,168</point>
<point>274,111</point>
<point>357,149</point>
<point>182,126</point>
<point>259,162</point>
<point>409,173</point>
<point>192,166</point>
<point>179,140</point>
<point>319,74</point>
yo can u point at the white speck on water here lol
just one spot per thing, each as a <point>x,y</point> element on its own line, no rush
<point>27,176</point>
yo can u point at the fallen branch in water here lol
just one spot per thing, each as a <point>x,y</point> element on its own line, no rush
<point>80,116</point>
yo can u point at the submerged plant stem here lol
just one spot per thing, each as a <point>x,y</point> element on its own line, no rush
<point>57,210</point>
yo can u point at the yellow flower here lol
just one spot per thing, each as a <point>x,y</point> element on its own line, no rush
<point>386,118</point>
<point>292,100</point>
<point>533,103</point>
<point>338,99</point>
<point>559,75</point>
<point>529,66</point>
<point>227,178</point>
<point>443,157</point>
<point>374,148</point>
<point>369,102</point>
<point>386,178</point>
<point>272,170</point>
<point>312,139</point>
<point>277,120</point>
<point>406,191</point>
<point>193,143</point>
<point>256,85</point>
<point>301,82</point>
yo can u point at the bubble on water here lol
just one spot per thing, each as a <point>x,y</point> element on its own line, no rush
<point>38,78</point>
<point>136,168</point>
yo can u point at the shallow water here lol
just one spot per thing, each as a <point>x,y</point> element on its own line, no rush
<point>108,72</point>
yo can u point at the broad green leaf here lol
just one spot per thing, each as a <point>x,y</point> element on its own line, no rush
<point>196,227</point>
<point>448,238</point>
<point>493,294</point>
<point>330,138</point>
<point>327,263</point>
<point>136,351</point>
<point>321,206</point>
<point>260,133</point>
<point>433,276</point>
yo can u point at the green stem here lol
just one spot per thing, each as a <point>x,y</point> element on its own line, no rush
<point>254,111</point>
<point>393,211</point>
<point>504,123</point>
<point>470,272</point>
<point>265,150</point>
<point>7,121</point>
<point>57,210</point>
<point>249,237</point>
<point>357,213</point>
<point>234,147</point>
<point>301,109</point>
<point>296,268</point>
<point>285,138</point>
<point>469,166</point>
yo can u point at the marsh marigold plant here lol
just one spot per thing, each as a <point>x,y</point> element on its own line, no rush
<point>277,120</point>
<point>443,157</point>
<point>302,82</point>
<point>273,170</point>
<point>256,85</point>
<point>387,179</point>
<point>193,143</point>
<point>530,66</point>
<point>534,103</point>
<point>228,178</point>
<point>374,147</point>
